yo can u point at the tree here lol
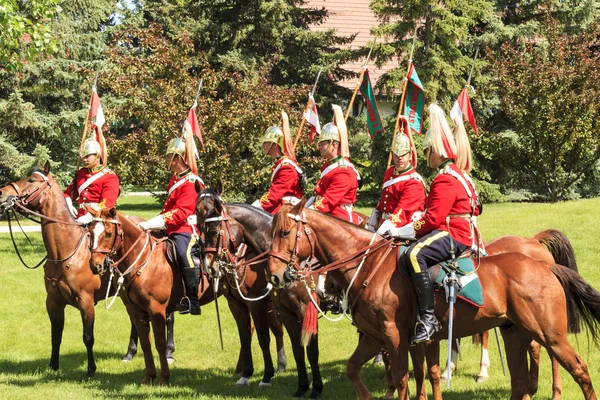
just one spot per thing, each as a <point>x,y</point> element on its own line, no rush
<point>552,102</point>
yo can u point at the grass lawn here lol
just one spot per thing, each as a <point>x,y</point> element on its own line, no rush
<point>203,371</point>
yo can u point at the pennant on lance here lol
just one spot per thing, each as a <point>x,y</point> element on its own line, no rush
<point>414,101</point>
<point>97,120</point>
<point>191,125</point>
<point>373,118</point>
<point>462,108</point>
<point>312,117</point>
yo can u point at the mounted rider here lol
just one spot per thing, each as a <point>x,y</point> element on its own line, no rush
<point>403,196</point>
<point>446,229</point>
<point>95,186</point>
<point>287,177</point>
<point>339,181</point>
<point>178,215</point>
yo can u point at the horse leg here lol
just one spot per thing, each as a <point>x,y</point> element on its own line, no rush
<point>516,343</point>
<point>294,329</point>
<point>453,360</point>
<point>432,352</point>
<point>158,318</point>
<point>390,389</point>
<point>142,324</point>
<point>312,352</point>
<point>170,337</point>
<point>260,315</point>
<point>241,315</point>
<point>367,349</point>
<point>132,347</point>
<point>560,349</point>
<point>417,354</point>
<point>485,358</point>
<point>534,367</point>
<point>398,349</point>
<point>277,329</point>
<point>88,314</point>
<point>56,313</point>
<point>556,384</point>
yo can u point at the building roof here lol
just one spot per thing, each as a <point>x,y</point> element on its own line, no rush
<point>351,17</point>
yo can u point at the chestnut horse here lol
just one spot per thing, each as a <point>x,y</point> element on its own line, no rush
<point>153,288</point>
<point>252,226</point>
<point>551,246</point>
<point>67,276</point>
<point>385,305</point>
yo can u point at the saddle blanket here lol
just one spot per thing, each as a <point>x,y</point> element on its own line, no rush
<point>471,290</point>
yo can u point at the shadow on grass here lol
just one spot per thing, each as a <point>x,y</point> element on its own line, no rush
<point>212,382</point>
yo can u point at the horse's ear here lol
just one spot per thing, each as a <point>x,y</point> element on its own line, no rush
<point>198,187</point>
<point>47,167</point>
<point>112,212</point>
<point>300,206</point>
<point>218,205</point>
<point>219,188</point>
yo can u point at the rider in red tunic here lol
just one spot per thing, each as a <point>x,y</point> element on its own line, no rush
<point>286,178</point>
<point>339,180</point>
<point>446,229</point>
<point>94,186</point>
<point>178,216</point>
<point>403,195</point>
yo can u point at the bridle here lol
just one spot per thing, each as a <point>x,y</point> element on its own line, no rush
<point>225,237</point>
<point>292,264</point>
<point>116,243</point>
<point>27,196</point>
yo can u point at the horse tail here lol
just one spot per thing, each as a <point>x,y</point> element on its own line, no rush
<point>309,323</point>
<point>583,301</point>
<point>559,246</point>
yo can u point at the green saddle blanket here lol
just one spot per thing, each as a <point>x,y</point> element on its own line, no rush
<point>470,291</point>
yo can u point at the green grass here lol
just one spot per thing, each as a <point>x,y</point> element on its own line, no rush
<point>203,371</point>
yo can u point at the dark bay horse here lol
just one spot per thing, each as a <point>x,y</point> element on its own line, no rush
<point>385,305</point>
<point>153,288</point>
<point>551,246</point>
<point>67,276</point>
<point>252,226</point>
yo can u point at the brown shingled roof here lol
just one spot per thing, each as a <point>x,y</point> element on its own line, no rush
<point>351,17</point>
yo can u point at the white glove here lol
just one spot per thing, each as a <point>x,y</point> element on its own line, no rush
<point>405,232</point>
<point>320,289</point>
<point>157,222</point>
<point>375,215</point>
<point>387,227</point>
<point>257,204</point>
<point>85,219</point>
<point>310,202</point>
<point>70,206</point>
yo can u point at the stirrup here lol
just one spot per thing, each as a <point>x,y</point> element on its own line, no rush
<point>433,328</point>
<point>184,306</point>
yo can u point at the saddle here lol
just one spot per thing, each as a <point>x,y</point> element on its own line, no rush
<point>171,256</point>
<point>470,289</point>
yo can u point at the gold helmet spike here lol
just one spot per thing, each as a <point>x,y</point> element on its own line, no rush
<point>329,132</point>
<point>90,146</point>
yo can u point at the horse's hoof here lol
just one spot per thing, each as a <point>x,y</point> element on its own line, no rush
<point>390,394</point>
<point>53,367</point>
<point>147,381</point>
<point>378,360</point>
<point>314,395</point>
<point>264,384</point>
<point>164,382</point>
<point>481,379</point>
<point>243,381</point>
<point>300,392</point>
<point>170,361</point>
<point>128,357</point>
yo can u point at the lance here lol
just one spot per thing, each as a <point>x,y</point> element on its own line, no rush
<point>472,66</point>
<point>359,82</point>
<point>500,350</point>
<point>312,94</point>
<point>216,295</point>
<point>87,119</point>
<point>451,286</point>
<point>402,97</point>
<point>198,92</point>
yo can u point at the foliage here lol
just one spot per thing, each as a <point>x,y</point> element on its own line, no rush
<point>24,31</point>
<point>555,114</point>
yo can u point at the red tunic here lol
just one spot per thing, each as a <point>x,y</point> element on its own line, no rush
<point>448,196</point>
<point>181,204</point>
<point>336,189</point>
<point>402,196</point>
<point>285,181</point>
<point>102,192</point>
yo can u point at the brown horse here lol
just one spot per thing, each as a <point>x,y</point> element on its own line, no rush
<point>152,288</point>
<point>238,224</point>
<point>384,304</point>
<point>550,246</point>
<point>67,276</point>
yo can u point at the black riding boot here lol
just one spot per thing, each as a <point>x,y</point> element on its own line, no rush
<point>427,324</point>
<point>190,303</point>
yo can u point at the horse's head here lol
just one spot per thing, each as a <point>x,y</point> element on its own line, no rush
<point>293,242</point>
<point>31,191</point>
<point>106,236</point>
<point>222,234</point>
